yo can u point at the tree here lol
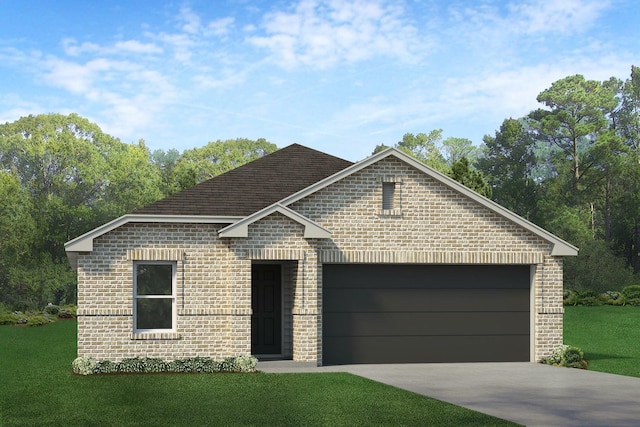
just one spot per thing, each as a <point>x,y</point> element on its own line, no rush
<point>626,119</point>
<point>455,149</point>
<point>426,148</point>
<point>577,115</point>
<point>200,164</point>
<point>72,177</point>
<point>508,162</point>
<point>462,172</point>
<point>165,162</point>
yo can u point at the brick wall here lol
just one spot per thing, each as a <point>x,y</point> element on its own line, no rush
<point>429,224</point>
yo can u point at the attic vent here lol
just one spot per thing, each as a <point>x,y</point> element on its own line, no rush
<point>391,196</point>
<point>388,195</point>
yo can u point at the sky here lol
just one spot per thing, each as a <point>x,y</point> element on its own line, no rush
<point>336,76</point>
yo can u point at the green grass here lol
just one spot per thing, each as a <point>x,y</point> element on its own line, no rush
<point>38,388</point>
<point>608,335</point>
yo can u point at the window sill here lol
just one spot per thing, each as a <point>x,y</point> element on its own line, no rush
<point>391,212</point>
<point>137,336</point>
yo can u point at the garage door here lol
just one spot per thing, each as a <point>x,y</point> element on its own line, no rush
<point>385,313</point>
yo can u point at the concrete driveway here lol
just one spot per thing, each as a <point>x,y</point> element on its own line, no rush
<point>527,393</point>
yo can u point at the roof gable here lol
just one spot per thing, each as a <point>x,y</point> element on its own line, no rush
<point>560,247</point>
<point>253,186</point>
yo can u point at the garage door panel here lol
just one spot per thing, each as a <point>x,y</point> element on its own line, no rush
<point>411,300</point>
<point>389,313</point>
<point>425,277</point>
<point>423,324</point>
<point>434,349</point>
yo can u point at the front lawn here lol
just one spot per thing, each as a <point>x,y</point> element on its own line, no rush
<point>38,388</point>
<point>608,335</point>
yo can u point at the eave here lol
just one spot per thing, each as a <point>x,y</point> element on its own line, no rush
<point>312,230</point>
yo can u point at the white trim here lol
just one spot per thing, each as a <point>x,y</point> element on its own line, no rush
<point>84,243</point>
<point>560,247</point>
<point>312,230</point>
<point>172,297</point>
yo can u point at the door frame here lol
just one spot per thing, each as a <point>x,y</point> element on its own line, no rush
<point>279,355</point>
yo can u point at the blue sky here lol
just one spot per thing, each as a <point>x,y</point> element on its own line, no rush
<point>337,76</point>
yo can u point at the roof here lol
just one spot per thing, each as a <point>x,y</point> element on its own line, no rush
<point>560,247</point>
<point>272,183</point>
<point>253,186</point>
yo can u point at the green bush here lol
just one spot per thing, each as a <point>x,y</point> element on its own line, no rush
<point>84,365</point>
<point>38,320</point>
<point>67,312</point>
<point>631,292</point>
<point>52,309</point>
<point>87,365</point>
<point>9,318</point>
<point>567,356</point>
<point>105,367</point>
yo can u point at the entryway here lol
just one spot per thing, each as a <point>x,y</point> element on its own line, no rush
<point>266,304</point>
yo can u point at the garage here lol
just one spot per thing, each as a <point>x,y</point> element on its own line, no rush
<point>399,313</point>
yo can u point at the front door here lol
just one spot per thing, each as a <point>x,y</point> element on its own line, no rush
<point>266,304</point>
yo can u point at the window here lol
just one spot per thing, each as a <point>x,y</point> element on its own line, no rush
<point>154,296</point>
<point>388,194</point>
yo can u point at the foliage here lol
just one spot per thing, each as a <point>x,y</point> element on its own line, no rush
<point>8,318</point>
<point>83,365</point>
<point>567,356</point>
<point>597,268</point>
<point>40,320</point>
<point>87,366</point>
<point>200,164</point>
<point>35,370</point>
<point>426,148</point>
<point>61,176</point>
<point>462,172</point>
<point>631,293</point>
<point>508,163</point>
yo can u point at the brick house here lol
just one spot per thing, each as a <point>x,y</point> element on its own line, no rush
<point>301,255</point>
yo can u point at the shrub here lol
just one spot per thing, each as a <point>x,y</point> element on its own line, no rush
<point>84,365</point>
<point>52,309</point>
<point>9,318</point>
<point>246,363</point>
<point>67,312</point>
<point>38,320</point>
<point>131,364</point>
<point>88,365</point>
<point>631,292</point>
<point>566,355</point>
<point>105,367</point>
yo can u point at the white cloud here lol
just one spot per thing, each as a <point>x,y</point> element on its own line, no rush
<point>72,48</point>
<point>322,34</point>
<point>556,16</point>
<point>134,46</point>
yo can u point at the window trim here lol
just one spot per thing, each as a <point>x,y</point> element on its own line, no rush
<point>172,296</point>
<point>388,195</point>
<point>396,183</point>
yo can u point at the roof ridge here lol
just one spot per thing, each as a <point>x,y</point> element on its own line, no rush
<point>253,185</point>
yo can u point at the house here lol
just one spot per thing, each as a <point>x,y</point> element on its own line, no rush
<point>301,255</point>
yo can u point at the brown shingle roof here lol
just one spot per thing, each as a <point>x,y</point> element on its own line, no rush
<point>253,186</point>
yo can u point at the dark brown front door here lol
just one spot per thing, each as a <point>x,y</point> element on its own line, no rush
<point>266,303</point>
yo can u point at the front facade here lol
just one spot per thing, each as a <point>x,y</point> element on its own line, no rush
<point>381,261</point>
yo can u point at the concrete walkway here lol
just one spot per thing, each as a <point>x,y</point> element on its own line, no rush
<point>527,393</point>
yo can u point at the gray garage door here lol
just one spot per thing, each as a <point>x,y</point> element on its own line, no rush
<point>385,313</point>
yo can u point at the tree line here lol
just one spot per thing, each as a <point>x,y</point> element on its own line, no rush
<point>572,166</point>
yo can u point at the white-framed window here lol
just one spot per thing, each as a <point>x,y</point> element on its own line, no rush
<point>154,296</point>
